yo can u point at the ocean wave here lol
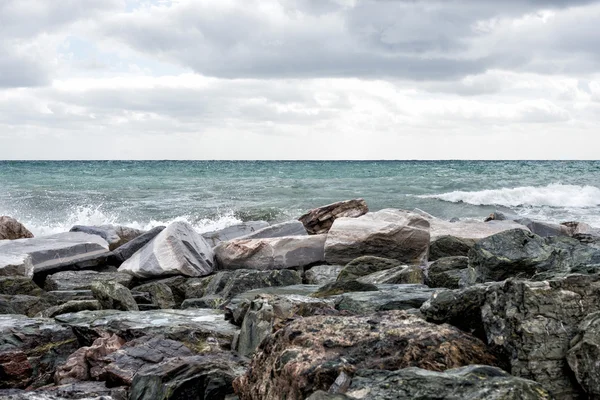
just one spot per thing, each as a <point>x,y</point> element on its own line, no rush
<point>553,195</point>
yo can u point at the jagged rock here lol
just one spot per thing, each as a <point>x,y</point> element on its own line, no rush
<point>271,253</point>
<point>308,354</point>
<point>31,349</point>
<point>283,229</point>
<point>11,229</point>
<point>69,307</point>
<point>88,363</point>
<point>395,234</point>
<point>177,250</point>
<point>114,296</point>
<point>28,305</point>
<point>82,280</point>
<point>160,293</point>
<point>473,382</point>
<point>200,377</point>
<point>584,354</point>
<point>126,250</point>
<point>533,323</point>
<point>234,232</point>
<point>227,284</point>
<point>469,229</point>
<point>449,246</point>
<point>16,265</point>
<point>366,265</point>
<point>13,285</point>
<point>511,253</point>
<point>322,274</point>
<point>319,220</point>
<point>198,328</point>
<point>387,297</point>
<point>405,274</point>
<point>339,287</point>
<point>451,273</point>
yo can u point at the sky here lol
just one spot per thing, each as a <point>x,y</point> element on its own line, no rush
<point>299,79</point>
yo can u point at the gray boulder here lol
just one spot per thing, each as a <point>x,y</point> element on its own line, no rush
<point>106,233</point>
<point>114,296</point>
<point>14,285</point>
<point>283,229</point>
<point>451,273</point>
<point>233,232</point>
<point>160,293</point>
<point>322,274</point>
<point>177,250</point>
<point>387,297</point>
<point>584,354</point>
<point>449,246</point>
<point>69,307</point>
<point>366,265</point>
<point>11,229</point>
<point>405,274</point>
<point>82,280</point>
<point>58,252</point>
<point>25,305</point>
<point>16,265</point>
<point>339,287</point>
<point>395,234</point>
<point>320,220</point>
<point>271,253</point>
<point>469,229</point>
<point>126,250</point>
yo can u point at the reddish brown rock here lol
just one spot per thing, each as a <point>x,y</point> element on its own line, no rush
<point>12,229</point>
<point>319,220</point>
<point>309,354</point>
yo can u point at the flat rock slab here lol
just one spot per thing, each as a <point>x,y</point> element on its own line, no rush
<point>289,228</point>
<point>389,297</point>
<point>31,349</point>
<point>54,252</point>
<point>271,253</point>
<point>82,280</point>
<point>234,232</point>
<point>198,327</point>
<point>467,229</point>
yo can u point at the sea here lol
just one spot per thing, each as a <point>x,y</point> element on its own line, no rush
<point>52,196</point>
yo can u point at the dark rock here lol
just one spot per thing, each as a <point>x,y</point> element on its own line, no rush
<point>87,390</point>
<point>160,293</point>
<point>211,301</point>
<point>405,274</point>
<point>395,234</point>
<point>366,265</point>
<point>177,250</point>
<point>289,228</point>
<point>28,305</point>
<point>141,297</point>
<point>125,251</point>
<point>69,307</point>
<point>584,354</point>
<point>113,296</point>
<point>451,273</point>
<point>82,280</point>
<point>449,246</point>
<point>31,349</point>
<point>13,285</point>
<point>309,354</point>
<point>11,229</point>
<point>234,232</point>
<point>339,287</point>
<point>106,233</point>
<point>177,284</point>
<point>62,296</point>
<point>16,265</point>
<point>322,274</point>
<point>388,297</point>
<point>320,220</point>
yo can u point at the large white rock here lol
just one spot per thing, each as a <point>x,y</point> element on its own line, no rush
<point>469,229</point>
<point>56,251</point>
<point>271,253</point>
<point>177,250</point>
<point>234,232</point>
<point>390,233</point>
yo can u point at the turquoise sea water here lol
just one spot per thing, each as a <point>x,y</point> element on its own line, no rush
<point>51,196</point>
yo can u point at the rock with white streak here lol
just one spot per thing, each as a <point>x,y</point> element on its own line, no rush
<point>289,228</point>
<point>233,232</point>
<point>320,220</point>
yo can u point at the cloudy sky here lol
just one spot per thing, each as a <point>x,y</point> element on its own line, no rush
<point>299,79</point>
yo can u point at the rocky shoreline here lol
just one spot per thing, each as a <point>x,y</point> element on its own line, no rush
<point>342,303</point>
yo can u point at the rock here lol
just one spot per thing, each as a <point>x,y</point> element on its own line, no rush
<point>289,228</point>
<point>473,382</point>
<point>13,285</point>
<point>449,246</point>
<point>161,294</point>
<point>233,232</point>
<point>320,220</point>
<point>106,233</point>
<point>69,307</point>
<point>16,265</point>
<point>114,296</point>
<point>271,253</point>
<point>28,305</point>
<point>199,329</point>
<point>543,229</point>
<point>509,254</point>
<point>82,280</point>
<point>87,390</point>
<point>395,234</point>
<point>405,274</point>
<point>59,252</point>
<point>88,363</point>
<point>339,287</point>
<point>451,273</point>
<point>469,229</point>
<point>11,229</point>
<point>200,377</point>
<point>227,284</point>
<point>126,250</point>
<point>322,274</point>
<point>388,297</point>
<point>533,323</point>
<point>63,296</point>
<point>309,354</point>
<point>584,354</point>
<point>177,250</point>
<point>213,301</point>
<point>366,265</point>
<point>31,349</point>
